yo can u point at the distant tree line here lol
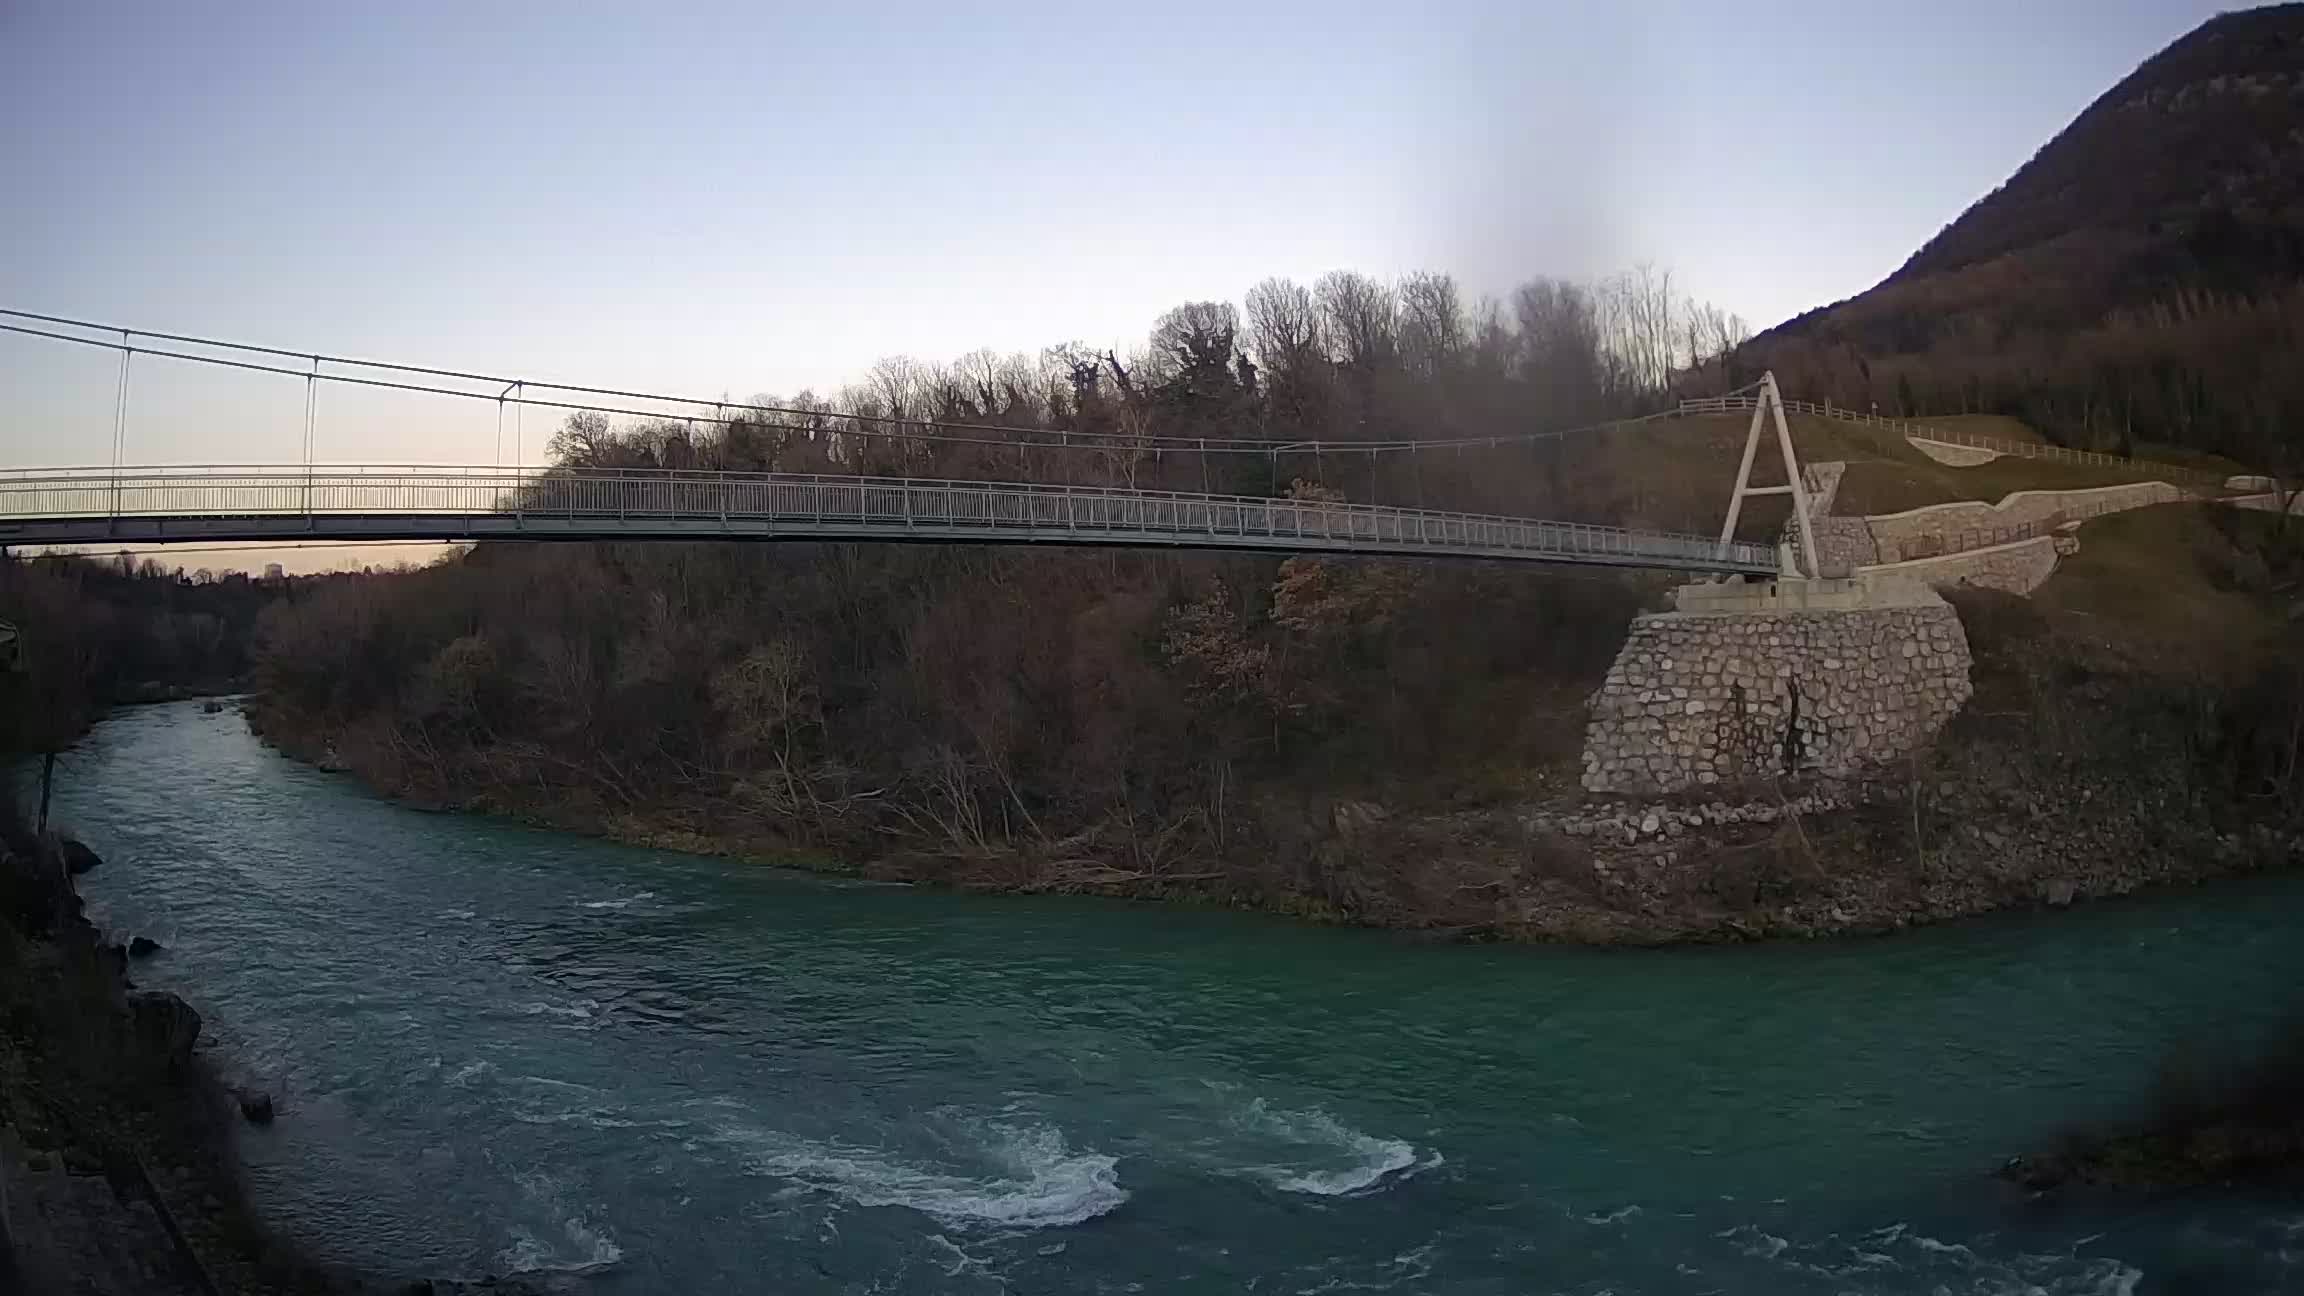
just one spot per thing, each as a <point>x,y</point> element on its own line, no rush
<point>95,631</point>
<point>1344,361</point>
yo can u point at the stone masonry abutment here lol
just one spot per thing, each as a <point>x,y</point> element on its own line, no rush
<point>1743,682</point>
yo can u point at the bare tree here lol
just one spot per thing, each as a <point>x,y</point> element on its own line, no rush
<point>585,440</point>
<point>1284,335</point>
<point>1639,337</point>
<point>1360,318</point>
<point>1196,338</point>
<point>900,384</point>
<point>1711,336</point>
<point>1432,324</point>
<point>1561,356</point>
<point>1283,326</point>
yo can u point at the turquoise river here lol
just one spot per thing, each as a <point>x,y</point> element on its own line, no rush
<point>501,1049</point>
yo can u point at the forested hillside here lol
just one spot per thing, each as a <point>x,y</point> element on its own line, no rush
<point>2138,281</point>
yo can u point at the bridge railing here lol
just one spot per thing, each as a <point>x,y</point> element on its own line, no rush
<point>756,503</point>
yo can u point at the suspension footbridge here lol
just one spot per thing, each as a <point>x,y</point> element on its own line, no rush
<point>163,505</point>
<point>126,503</point>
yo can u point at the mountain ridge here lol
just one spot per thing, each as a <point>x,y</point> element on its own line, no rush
<point>2161,230</point>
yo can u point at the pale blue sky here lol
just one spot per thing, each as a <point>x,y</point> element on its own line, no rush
<point>752,198</point>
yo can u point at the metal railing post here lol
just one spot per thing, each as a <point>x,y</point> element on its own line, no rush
<point>120,422</point>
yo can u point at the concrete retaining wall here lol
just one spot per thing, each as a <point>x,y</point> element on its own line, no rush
<point>1843,544</point>
<point>1950,528</point>
<point>1957,456</point>
<point>2017,568</point>
<point>2267,503</point>
<point>2008,546</point>
<point>1823,483</point>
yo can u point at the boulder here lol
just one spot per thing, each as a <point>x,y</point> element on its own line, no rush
<point>143,947</point>
<point>212,707</point>
<point>78,859</point>
<point>165,1028</point>
<point>2038,1174</point>
<point>2059,892</point>
<point>255,1105</point>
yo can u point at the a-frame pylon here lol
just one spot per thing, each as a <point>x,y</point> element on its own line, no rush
<point>1771,402</point>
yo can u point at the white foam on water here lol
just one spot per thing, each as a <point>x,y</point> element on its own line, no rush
<point>1036,1180</point>
<point>962,1260</point>
<point>623,902</point>
<point>570,1086</point>
<point>600,1118</point>
<point>1942,1248</point>
<point>1365,1159</point>
<point>582,1010</point>
<point>2101,1277</point>
<point>470,1071</point>
<point>1616,1216</point>
<point>1948,1268</point>
<point>460,915</point>
<point>583,1246</point>
<point>1750,1240</point>
<point>1887,1236</point>
<point>1408,1267</point>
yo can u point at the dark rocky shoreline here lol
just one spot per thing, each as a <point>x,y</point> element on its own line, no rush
<point>118,1155</point>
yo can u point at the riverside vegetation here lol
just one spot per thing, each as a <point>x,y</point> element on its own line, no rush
<point>1389,743</point>
<point>1378,743</point>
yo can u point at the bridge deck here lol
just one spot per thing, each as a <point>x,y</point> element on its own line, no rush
<point>160,505</point>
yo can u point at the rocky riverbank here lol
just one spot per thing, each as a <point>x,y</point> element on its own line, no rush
<point>1992,819</point>
<point>118,1168</point>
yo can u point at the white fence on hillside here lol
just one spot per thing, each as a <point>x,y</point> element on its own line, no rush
<point>1950,436</point>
